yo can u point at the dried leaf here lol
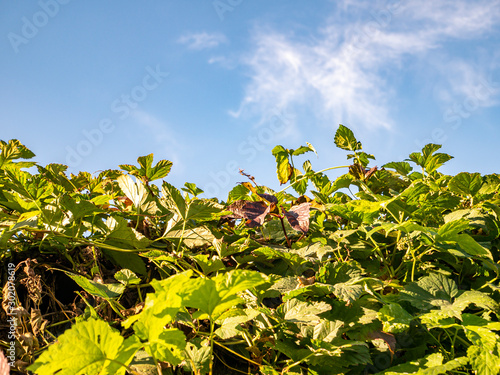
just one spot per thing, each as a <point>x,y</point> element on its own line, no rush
<point>304,281</point>
<point>370,172</point>
<point>298,217</point>
<point>268,197</point>
<point>38,323</point>
<point>33,282</point>
<point>253,212</point>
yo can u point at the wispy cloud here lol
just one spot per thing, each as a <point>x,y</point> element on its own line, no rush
<point>202,40</point>
<point>347,73</point>
<point>163,136</point>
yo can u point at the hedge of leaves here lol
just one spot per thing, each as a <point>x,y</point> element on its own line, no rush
<point>389,269</point>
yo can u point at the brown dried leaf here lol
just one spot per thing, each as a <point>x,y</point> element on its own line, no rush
<point>253,212</point>
<point>298,217</point>
<point>268,197</point>
<point>38,323</point>
<point>304,281</point>
<point>28,342</point>
<point>134,310</point>
<point>370,172</point>
<point>33,282</point>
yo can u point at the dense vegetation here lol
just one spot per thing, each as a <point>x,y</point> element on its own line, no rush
<point>382,270</point>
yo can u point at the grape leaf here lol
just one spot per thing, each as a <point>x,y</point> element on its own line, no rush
<point>89,347</point>
<point>466,184</point>
<point>345,139</point>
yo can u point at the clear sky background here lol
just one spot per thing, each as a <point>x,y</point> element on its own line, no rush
<point>213,86</point>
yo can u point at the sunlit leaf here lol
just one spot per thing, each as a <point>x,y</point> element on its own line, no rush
<point>89,347</point>
<point>466,184</point>
<point>345,139</point>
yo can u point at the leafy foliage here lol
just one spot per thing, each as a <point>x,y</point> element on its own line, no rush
<point>385,270</point>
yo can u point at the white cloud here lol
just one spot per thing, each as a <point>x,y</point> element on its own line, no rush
<point>203,40</point>
<point>346,74</point>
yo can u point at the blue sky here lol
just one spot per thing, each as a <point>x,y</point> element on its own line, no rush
<point>213,86</point>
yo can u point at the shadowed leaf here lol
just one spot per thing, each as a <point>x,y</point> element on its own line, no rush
<point>298,217</point>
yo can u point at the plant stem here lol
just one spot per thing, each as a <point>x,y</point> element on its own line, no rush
<point>211,363</point>
<point>289,243</point>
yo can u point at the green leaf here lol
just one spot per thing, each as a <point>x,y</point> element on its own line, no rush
<point>402,167</point>
<point>483,361</point>
<point>432,364</point>
<point>80,208</point>
<point>13,150</point>
<point>344,139</point>
<point>122,235</point>
<point>129,260</point>
<point>165,344</point>
<point>89,347</point>
<point>106,291</point>
<point>466,184</point>
<point>192,189</point>
<point>229,324</point>
<point>292,258</point>
<point>208,265</point>
<point>394,318</point>
<point>127,277</point>
<point>148,173</point>
<point>214,296</point>
<point>160,170</point>
<point>284,168</point>
<point>477,298</point>
<point>451,228</point>
<point>174,199</point>
<point>296,311</point>
<point>428,159</point>
<point>198,356</point>
<point>193,238</point>
<point>430,291</point>
<point>490,184</point>
<point>135,191</point>
<point>164,303</point>
<point>339,272</point>
<point>239,192</point>
<point>469,245</point>
<point>328,330</point>
<point>201,210</point>
<point>303,149</point>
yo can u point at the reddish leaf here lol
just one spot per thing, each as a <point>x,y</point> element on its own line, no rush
<point>387,337</point>
<point>268,197</point>
<point>253,212</point>
<point>298,217</point>
<point>369,172</point>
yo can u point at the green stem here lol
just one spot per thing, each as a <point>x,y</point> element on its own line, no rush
<point>287,368</point>
<point>211,363</point>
